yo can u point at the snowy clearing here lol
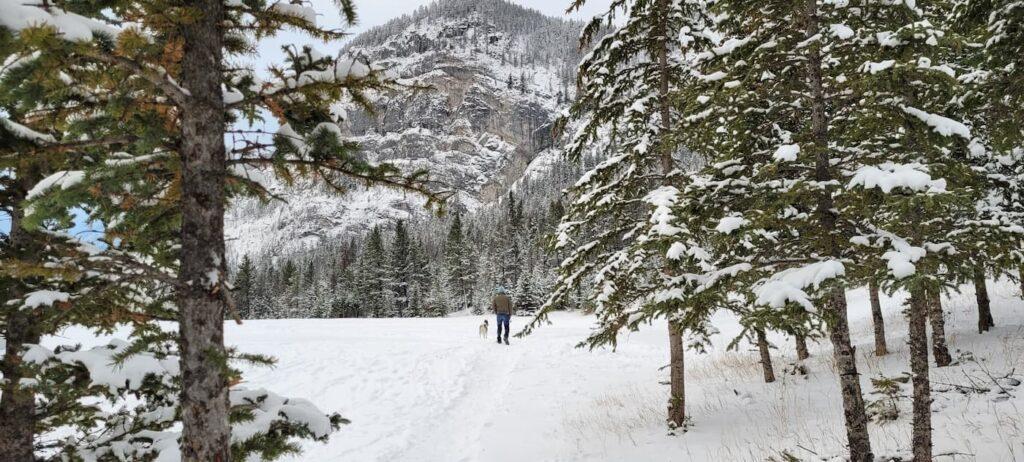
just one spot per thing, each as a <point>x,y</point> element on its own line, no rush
<point>433,390</point>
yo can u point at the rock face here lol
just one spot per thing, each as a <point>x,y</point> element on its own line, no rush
<point>497,73</point>
<point>494,76</point>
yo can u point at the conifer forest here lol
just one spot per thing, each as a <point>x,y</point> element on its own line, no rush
<point>511,230</point>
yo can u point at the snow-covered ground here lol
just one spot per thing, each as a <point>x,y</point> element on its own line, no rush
<point>433,390</point>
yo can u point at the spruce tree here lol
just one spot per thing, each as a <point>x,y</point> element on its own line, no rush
<point>183,147</point>
<point>375,295</point>
<point>459,265</point>
<point>616,226</point>
<point>400,265</point>
<point>994,106</point>
<point>243,286</point>
<point>908,156</point>
<point>764,111</point>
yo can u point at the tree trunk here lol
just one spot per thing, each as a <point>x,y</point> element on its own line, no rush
<point>677,388</point>
<point>922,430</point>
<point>937,318</point>
<point>204,395</point>
<point>985,321</point>
<point>879,320</point>
<point>849,379</point>
<point>801,348</point>
<point>17,405</point>
<point>835,308</point>
<point>1020,275</point>
<point>766,356</point>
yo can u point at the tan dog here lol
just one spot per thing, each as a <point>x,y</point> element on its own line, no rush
<point>483,329</point>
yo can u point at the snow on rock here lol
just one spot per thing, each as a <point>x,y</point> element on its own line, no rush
<point>790,285</point>
<point>499,74</point>
<point>731,223</point>
<point>942,125</point>
<point>63,179</point>
<point>45,298</point>
<point>889,176</point>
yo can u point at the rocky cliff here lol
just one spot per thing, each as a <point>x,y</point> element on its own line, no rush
<point>494,76</point>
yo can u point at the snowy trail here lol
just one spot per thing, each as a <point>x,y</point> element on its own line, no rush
<point>431,390</point>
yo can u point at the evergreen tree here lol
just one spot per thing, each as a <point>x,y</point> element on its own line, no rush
<point>244,280</point>
<point>618,219</point>
<point>401,261</point>
<point>178,142</point>
<point>439,299</point>
<point>458,265</point>
<point>994,106</point>
<point>375,296</point>
<point>912,185</point>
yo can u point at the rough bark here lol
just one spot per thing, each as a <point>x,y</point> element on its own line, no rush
<point>938,321</point>
<point>766,356</point>
<point>801,348</point>
<point>985,321</point>
<point>854,412</point>
<point>922,425</point>
<point>835,306</point>
<point>204,396</point>
<point>17,405</point>
<point>677,390</point>
<point>1020,276</point>
<point>878,320</point>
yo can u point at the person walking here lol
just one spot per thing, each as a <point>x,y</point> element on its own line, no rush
<point>501,304</point>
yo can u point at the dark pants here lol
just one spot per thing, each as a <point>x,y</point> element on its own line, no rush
<point>503,320</point>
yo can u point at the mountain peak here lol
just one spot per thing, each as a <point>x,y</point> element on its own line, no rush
<point>502,15</point>
<point>497,75</point>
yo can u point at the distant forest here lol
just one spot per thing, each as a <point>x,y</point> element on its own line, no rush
<point>426,267</point>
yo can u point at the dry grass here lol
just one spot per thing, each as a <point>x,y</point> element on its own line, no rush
<point>622,416</point>
<point>726,367</point>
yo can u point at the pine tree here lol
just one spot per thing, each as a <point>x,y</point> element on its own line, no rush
<point>244,280</point>
<point>187,124</point>
<point>993,105</point>
<point>459,265</point>
<point>401,269</point>
<point>619,220</point>
<point>439,300</point>
<point>909,155</point>
<point>765,109</point>
<point>375,296</point>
